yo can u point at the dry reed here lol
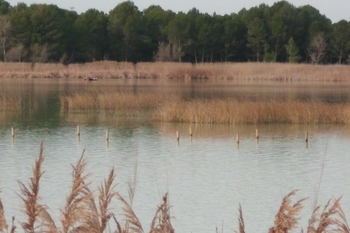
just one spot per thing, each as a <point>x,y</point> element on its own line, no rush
<point>79,213</point>
<point>131,104</point>
<point>164,108</point>
<point>286,218</point>
<point>183,71</point>
<point>241,225</point>
<point>36,213</point>
<point>161,222</point>
<point>331,219</point>
<point>233,111</point>
<point>106,194</point>
<point>3,223</point>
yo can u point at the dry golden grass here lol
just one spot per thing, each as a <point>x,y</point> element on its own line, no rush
<point>224,111</point>
<point>233,111</point>
<point>129,103</point>
<point>81,214</point>
<point>183,71</point>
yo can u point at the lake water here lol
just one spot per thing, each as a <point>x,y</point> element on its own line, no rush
<point>207,176</point>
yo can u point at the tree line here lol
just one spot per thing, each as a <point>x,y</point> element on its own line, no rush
<point>277,33</point>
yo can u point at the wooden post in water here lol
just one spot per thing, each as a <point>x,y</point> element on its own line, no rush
<point>107,135</point>
<point>177,135</point>
<point>190,131</point>
<point>12,132</point>
<point>306,136</point>
<point>257,134</point>
<point>78,130</point>
<point>237,138</point>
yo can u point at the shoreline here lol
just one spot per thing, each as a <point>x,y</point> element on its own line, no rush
<point>282,72</point>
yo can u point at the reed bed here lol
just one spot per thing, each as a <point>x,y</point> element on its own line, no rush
<point>91,211</point>
<point>181,71</point>
<point>235,111</point>
<point>120,103</point>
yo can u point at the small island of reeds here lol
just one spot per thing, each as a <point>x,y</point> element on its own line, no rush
<point>169,108</point>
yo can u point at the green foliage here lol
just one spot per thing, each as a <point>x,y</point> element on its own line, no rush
<point>292,51</point>
<point>4,7</point>
<point>340,40</point>
<point>128,40</point>
<point>261,33</point>
<point>47,23</point>
<point>156,20</point>
<point>91,28</point>
<point>257,37</point>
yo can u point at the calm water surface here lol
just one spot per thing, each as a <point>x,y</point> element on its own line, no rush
<point>207,177</point>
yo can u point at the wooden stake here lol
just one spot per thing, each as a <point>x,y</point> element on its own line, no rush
<point>306,136</point>
<point>107,135</point>
<point>177,135</point>
<point>13,132</point>
<point>78,130</point>
<point>190,131</point>
<point>257,134</point>
<point>237,138</point>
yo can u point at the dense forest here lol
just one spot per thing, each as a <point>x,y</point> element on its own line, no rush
<point>277,33</point>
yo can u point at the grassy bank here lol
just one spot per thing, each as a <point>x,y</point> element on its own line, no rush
<point>181,71</point>
<point>90,211</point>
<point>226,111</point>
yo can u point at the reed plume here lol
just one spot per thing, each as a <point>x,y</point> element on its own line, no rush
<point>3,223</point>
<point>331,219</point>
<point>240,220</point>
<point>286,218</point>
<point>38,218</point>
<point>79,213</point>
<point>106,194</point>
<point>161,222</point>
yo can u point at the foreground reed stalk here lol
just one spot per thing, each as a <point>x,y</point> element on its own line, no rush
<point>81,214</point>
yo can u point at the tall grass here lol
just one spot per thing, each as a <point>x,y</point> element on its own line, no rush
<point>183,71</point>
<point>224,111</point>
<point>82,213</point>
<point>112,102</point>
<point>233,111</point>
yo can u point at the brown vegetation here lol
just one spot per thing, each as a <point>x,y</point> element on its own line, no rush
<point>183,71</point>
<point>227,111</point>
<point>233,111</point>
<point>82,214</point>
<point>112,102</point>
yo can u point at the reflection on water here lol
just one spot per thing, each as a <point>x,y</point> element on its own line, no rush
<point>207,176</point>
